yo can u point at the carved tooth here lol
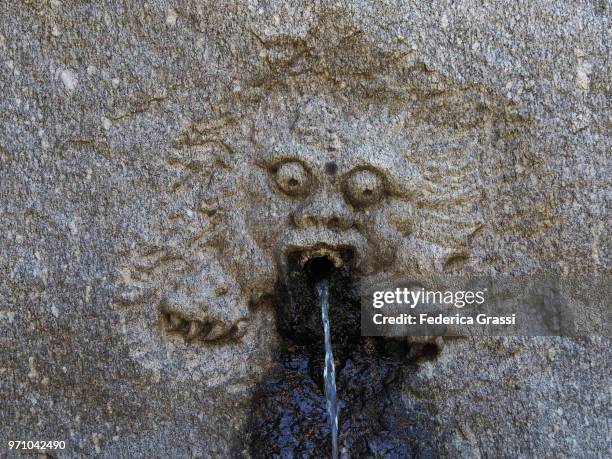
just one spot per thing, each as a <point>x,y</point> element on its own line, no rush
<point>331,254</point>
<point>239,329</point>
<point>215,332</point>
<point>195,328</point>
<point>165,321</point>
<point>175,321</point>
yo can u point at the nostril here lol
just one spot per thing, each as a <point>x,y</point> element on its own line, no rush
<point>302,221</point>
<point>331,168</point>
<point>330,220</point>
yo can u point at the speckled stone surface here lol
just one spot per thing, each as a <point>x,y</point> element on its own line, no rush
<point>136,144</point>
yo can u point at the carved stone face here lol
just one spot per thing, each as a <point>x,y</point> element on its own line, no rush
<point>291,178</point>
<point>328,148</point>
<point>324,181</point>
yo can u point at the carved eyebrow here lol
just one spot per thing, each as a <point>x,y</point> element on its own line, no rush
<point>272,162</point>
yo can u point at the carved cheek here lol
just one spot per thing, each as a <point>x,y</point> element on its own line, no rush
<point>401,216</point>
<point>386,225</point>
<point>266,212</point>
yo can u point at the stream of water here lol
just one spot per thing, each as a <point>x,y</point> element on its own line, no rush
<point>296,405</point>
<point>329,373</point>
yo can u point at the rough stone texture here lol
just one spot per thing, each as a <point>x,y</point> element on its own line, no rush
<point>136,144</point>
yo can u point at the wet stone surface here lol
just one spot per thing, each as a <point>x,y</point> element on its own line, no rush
<point>289,417</point>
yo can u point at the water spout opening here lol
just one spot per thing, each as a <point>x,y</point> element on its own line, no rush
<point>319,268</point>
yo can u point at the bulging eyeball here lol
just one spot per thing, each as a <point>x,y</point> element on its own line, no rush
<point>364,188</point>
<point>292,178</point>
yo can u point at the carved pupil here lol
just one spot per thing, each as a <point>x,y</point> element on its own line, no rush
<point>292,178</point>
<point>364,188</point>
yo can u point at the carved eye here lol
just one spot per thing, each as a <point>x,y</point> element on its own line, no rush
<point>292,178</point>
<point>364,188</point>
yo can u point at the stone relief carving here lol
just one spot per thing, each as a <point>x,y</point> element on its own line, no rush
<point>381,160</point>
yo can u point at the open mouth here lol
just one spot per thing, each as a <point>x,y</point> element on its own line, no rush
<point>298,306</point>
<point>321,260</point>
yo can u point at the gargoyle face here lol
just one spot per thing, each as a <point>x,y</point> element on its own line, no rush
<point>292,178</point>
<point>373,167</point>
<point>320,186</point>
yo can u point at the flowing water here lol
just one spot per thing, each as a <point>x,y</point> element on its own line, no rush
<point>296,404</point>
<point>329,373</point>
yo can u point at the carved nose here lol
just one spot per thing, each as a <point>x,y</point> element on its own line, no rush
<point>324,210</point>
